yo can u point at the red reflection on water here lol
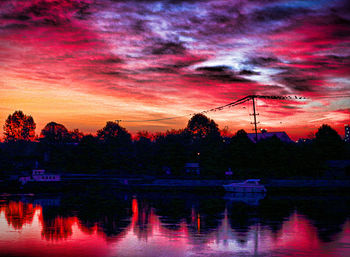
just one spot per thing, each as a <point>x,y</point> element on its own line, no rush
<point>58,228</point>
<point>40,236</point>
<point>298,233</point>
<point>18,213</point>
<point>147,235</point>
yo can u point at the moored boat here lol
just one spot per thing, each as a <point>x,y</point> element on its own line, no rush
<point>248,186</point>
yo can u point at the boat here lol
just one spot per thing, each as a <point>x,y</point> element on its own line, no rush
<point>39,176</point>
<point>247,198</point>
<point>248,186</point>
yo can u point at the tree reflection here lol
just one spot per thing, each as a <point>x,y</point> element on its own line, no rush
<point>327,215</point>
<point>57,228</point>
<point>196,220</point>
<point>173,211</point>
<point>108,213</point>
<point>19,213</point>
<point>272,212</point>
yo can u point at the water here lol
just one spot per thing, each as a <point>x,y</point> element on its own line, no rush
<point>169,224</point>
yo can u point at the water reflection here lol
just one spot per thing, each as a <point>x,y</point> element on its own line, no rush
<point>117,224</point>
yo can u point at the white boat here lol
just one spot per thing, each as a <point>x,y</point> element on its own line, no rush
<point>247,198</point>
<point>248,186</point>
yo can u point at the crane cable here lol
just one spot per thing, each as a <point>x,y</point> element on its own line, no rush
<point>237,102</point>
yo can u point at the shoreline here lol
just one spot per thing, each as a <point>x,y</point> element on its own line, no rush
<point>127,184</point>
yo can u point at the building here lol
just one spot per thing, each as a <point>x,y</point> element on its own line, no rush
<point>347,133</point>
<point>40,176</point>
<point>192,168</point>
<point>265,135</point>
<point>338,168</point>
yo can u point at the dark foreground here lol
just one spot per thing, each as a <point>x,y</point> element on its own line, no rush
<point>111,223</point>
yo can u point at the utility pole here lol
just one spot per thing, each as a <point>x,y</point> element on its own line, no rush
<point>254,114</point>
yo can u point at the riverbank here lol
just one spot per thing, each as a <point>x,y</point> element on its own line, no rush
<point>78,183</point>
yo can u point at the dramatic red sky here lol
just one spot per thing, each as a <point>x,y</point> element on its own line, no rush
<point>84,62</point>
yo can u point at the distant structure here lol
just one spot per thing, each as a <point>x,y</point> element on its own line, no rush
<point>265,135</point>
<point>40,176</point>
<point>338,168</point>
<point>304,141</point>
<point>192,168</point>
<point>347,133</point>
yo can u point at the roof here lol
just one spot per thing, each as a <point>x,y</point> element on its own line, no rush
<point>192,165</point>
<point>261,136</point>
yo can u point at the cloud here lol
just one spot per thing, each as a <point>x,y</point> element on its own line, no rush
<point>248,72</point>
<point>214,69</point>
<point>167,48</point>
<point>188,54</point>
<point>45,12</point>
<point>218,73</point>
<point>278,13</point>
<point>263,61</point>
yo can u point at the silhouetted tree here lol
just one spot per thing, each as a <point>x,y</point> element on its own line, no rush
<point>88,154</point>
<point>113,132</point>
<point>117,145</point>
<point>325,135</point>
<point>328,143</point>
<point>54,133</point>
<point>200,126</point>
<point>241,135</point>
<point>171,150</point>
<point>19,126</point>
<point>273,157</point>
<point>75,136</point>
<point>206,147</point>
<point>144,151</point>
<point>240,150</point>
<point>143,135</point>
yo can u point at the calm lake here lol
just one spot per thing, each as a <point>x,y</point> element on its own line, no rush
<point>173,224</point>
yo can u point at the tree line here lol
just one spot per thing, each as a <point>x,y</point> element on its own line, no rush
<point>113,150</point>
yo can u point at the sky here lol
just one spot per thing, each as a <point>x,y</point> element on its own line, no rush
<point>84,62</point>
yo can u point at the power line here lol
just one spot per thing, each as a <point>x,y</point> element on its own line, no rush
<point>169,118</point>
<point>219,108</point>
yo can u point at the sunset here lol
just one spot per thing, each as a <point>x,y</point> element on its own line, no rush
<point>174,128</point>
<point>82,63</point>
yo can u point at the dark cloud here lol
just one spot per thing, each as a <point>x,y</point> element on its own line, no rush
<point>214,69</point>
<point>248,72</point>
<point>140,26</point>
<point>112,73</point>
<point>339,59</point>
<point>45,12</point>
<point>219,73</point>
<point>108,60</point>
<point>159,70</point>
<point>299,83</point>
<point>263,61</point>
<point>168,48</point>
<point>16,16</point>
<point>277,13</point>
<point>187,61</point>
<point>14,26</point>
